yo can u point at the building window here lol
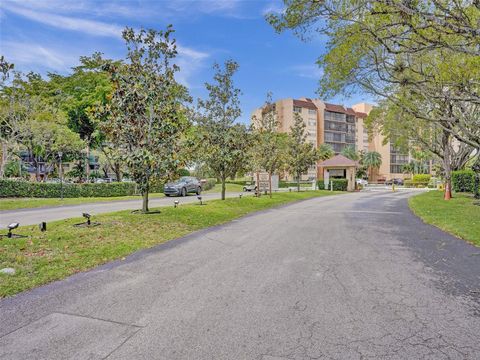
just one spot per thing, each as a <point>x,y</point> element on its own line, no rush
<point>297,109</point>
<point>336,137</point>
<point>312,112</point>
<point>333,116</point>
<point>396,169</point>
<point>312,122</point>
<point>335,126</point>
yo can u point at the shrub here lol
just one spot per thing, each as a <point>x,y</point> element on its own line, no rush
<point>421,178</point>
<point>12,188</point>
<point>209,184</point>
<point>238,182</point>
<point>338,184</point>
<point>463,181</point>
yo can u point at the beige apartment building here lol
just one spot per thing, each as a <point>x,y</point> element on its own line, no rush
<point>338,126</point>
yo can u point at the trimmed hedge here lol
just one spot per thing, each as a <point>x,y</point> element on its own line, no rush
<point>238,182</point>
<point>286,184</point>
<point>463,181</point>
<point>20,188</point>
<point>421,178</point>
<point>338,184</point>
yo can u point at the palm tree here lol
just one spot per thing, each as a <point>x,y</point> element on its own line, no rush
<point>372,160</point>
<point>325,151</point>
<point>350,153</point>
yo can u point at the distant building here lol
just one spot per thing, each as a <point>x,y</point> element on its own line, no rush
<point>338,126</point>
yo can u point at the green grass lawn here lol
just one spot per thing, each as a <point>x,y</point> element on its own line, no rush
<point>229,187</point>
<point>29,203</point>
<point>459,216</point>
<point>24,203</point>
<point>64,250</point>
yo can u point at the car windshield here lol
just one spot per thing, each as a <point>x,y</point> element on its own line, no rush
<point>183,179</point>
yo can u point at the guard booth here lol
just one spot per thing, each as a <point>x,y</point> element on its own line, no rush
<point>339,167</point>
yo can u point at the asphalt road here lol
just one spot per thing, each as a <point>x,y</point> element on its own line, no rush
<point>52,213</point>
<point>351,276</point>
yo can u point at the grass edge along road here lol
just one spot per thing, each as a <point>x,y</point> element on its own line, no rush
<point>33,203</point>
<point>458,216</point>
<point>64,250</point>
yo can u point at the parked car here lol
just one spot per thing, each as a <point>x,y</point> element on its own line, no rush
<point>394,181</point>
<point>362,182</point>
<point>250,187</point>
<point>183,186</point>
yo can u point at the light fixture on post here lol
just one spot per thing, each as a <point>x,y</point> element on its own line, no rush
<point>175,203</point>
<point>87,216</point>
<point>87,223</point>
<point>42,226</point>
<point>11,227</point>
<point>11,235</point>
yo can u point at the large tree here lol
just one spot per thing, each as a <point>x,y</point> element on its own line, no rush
<point>301,153</point>
<point>222,144</point>
<point>78,94</point>
<point>145,116</point>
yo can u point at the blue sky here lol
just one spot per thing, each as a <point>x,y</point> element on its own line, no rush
<point>50,35</point>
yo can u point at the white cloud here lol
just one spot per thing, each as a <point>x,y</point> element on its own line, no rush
<point>274,7</point>
<point>38,57</point>
<point>47,12</point>
<point>91,27</point>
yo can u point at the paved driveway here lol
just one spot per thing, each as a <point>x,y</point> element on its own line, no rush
<point>52,213</point>
<point>351,276</point>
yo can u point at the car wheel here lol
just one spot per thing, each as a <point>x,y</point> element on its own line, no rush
<point>184,192</point>
<point>244,188</point>
<point>199,190</point>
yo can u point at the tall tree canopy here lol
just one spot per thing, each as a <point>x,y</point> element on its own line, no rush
<point>222,143</point>
<point>145,116</point>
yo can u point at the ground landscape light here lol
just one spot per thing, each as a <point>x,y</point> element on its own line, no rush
<point>200,199</point>
<point>87,216</point>
<point>10,228</point>
<point>175,203</point>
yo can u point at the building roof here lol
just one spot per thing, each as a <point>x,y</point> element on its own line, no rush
<point>361,115</point>
<point>306,104</point>
<point>335,108</point>
<point>338,160</point>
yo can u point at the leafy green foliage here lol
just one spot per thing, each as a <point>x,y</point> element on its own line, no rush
<point>325,152</point>
<point>145,116</point>
<point>463,181</point>
<point>222,144</point>
<point>17,188</point>
<point>301,154</point>
<point>350,153</point>
<point>338,184</point>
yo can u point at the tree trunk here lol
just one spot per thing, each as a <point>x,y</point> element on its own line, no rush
<point>270,184</point>
<point>145,201</point>
<point>87,165</point>
<point>257,190</point>
<point>223,187</point>
<point>476,169</point>
<point>298,182</point>
<point>118,172</point>
<point>447,166</point>
<point>4,159</point>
